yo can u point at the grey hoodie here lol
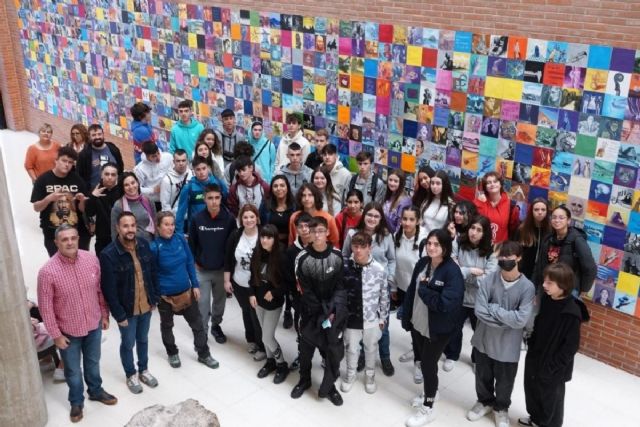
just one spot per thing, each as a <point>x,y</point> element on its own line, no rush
<point>502,315</point>
<point>472,259</point>
<point>296,178</point>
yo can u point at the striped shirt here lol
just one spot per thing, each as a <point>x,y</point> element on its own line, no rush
<point>69,295</point>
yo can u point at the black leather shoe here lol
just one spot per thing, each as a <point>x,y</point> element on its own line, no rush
<point>217,333</point>
<point>268,367</point>
<point>387,367</point>
<point>299,389</point>
<point>282,370</point>
<point>287,323</point>
<point>104,398</point>
<point>334,397</point>
<point>76,414</point>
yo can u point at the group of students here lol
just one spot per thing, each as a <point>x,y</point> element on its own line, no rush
<point>289,230</point>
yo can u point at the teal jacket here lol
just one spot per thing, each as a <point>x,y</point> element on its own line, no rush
<point>185,136</point>
<point>264,156</point>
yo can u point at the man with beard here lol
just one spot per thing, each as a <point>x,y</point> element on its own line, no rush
<point>130,286</point>
<point>95,155</point>
<point>99,204</point>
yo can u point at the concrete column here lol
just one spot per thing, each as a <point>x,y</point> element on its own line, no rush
<point>21,393</point>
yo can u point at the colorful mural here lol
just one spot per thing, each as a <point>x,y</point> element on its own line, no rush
<point>559,120</point>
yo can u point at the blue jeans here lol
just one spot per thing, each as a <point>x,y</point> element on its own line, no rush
<point>89,348</point>
<point>135,333</point>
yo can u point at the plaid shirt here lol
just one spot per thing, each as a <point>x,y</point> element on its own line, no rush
<point>69,295</point>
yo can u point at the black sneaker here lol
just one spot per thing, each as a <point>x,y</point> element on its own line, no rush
<point>299,389</point>
<point>526,421</point>
<point>287,323</point>
<point>282,370</point>
<point>295,364</point>
<point>387,367</point>
<point>76,414</point>
<point>104,398</point>
<point>268,367</point>
<point>360,366</point>
<point>333,396</point>
<point>217,333</point>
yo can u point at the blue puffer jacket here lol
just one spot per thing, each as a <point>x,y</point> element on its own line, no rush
<point>174,263</point>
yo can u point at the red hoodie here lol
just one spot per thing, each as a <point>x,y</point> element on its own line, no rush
<point>346,223</point>
<point>503,219</point>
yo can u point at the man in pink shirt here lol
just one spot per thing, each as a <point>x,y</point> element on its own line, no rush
<point>74,311</point>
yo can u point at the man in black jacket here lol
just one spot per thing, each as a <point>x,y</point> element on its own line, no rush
<point>323,309</point>
<point>95,155</point>
<point>100,203</point>
<point>208,233</point>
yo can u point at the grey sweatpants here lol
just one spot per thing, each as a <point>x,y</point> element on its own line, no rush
<point>211,284</point>
<point>369,337</point>
<point>268,322</point>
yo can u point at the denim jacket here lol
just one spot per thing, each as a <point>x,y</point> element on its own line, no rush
<point>118,277</point>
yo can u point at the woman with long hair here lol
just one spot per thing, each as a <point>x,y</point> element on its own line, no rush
<point>493,202</point>
<point>267,298</point>
<point>532,231</point>
<point>568,245</point>
<point>462,214</point>
<point>349,217</point>
<point>210,137</point>
<point>407,255</point>
<point>431,307</point>
<point>278,207</point>
<point>309,200</point>
<point>237,275</point>
<point>203,150</point>
<point>395,199</point>
<point>179,289</point>
<point>383,251</point>
<point>434,211</point>
<point>133,201</point>
<point>330,199</point>
<point>78,137</point>
<point>421,185</point>
<point>476,260</point>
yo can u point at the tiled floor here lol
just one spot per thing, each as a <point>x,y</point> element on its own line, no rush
<point>598,396</point>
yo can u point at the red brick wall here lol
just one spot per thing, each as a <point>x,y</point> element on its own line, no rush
<point>611,337</point>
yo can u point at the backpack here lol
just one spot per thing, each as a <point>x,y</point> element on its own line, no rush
<point>374,185</point>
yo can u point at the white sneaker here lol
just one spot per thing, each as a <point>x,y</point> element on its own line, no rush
<point>501,418</point>
<point>478,411</point>
<point>406,357</point>
<point>448,365</point>
<point>347,383</point>
<point>418,401</point>
<point>424,415</point>
<point>370,383</point>
<point>417,373</point>
<point>58,375</point>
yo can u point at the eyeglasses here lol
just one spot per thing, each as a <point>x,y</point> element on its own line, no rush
<point>372,215</point>
<point>318,231</point>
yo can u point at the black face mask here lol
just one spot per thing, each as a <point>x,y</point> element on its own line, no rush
<point>507,264</point>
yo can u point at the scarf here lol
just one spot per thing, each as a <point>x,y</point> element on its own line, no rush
<point>151,228</point>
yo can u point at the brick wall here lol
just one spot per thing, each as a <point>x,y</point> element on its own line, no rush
<point>611,337</point>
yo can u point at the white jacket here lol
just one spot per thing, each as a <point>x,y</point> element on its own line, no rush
<point>150,174</point>
<point>283,146</point>
<point>170,188</point>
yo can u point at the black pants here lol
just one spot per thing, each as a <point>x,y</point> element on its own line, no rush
<point>430,350</point>
<point>192,315</point>
<point>453,349</point>
<point>252,329</point>
<point>332,355</point>
<point>545,401</point>
<point>494,381</point>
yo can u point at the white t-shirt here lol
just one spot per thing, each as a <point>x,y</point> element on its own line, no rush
<point>244,250</point>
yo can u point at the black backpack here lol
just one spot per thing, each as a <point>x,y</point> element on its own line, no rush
<point>374,185</point>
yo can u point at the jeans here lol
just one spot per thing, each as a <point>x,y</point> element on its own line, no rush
<point>430,352</point>
<point>268,322</point>
<point>453,349</point>
<point>211,285</point>
<point>494,381</point>
<point>135,333</point>
<point>89,348</point>
<point>252,329</point>
<point>192,315</point>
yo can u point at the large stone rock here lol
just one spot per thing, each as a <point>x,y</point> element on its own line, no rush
<point>189,413</point>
